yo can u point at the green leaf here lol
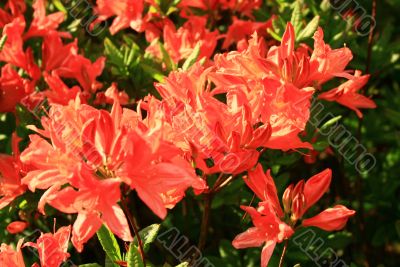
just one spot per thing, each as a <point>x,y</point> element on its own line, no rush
<point>113,53</point>
<point>109,244</point>
<point>133,258</point>
<point>132,52</point>
<point>153,72</point>
<point>109,263</point>
<point>192,58</point>
<point>3,41</point>
<point>169,63</point>
<point>147,235</point>
<point>171,10</point>
<point>279,26</point>
<point>274,35</point>
<point>320,145</point>
<point>183,264</point>
<point>59,6</point>
<point>90,265</point>
<point>296,17</point>
<point>330,122</point>
<point>309,29</point>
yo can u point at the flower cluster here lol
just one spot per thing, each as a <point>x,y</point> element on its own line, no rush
<point>214,117</point>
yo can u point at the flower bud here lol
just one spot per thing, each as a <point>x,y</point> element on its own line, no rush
<point>16,227</point>
<point>299,188</point>
<point>298,205</point>
<point>316,186</point>
<point>330,219</point>
<point>287,198</point>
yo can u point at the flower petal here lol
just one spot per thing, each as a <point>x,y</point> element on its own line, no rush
<point>253,237</point>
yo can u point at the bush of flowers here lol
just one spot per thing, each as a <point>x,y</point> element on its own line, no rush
<point>190,133</point>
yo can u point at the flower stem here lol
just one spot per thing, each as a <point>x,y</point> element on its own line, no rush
<point>205,221</point>
<point>283,253</point>
<point>134,227</point>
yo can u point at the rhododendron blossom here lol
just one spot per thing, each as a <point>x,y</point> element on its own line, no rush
<point>180,43</point>
<point>346,94</point>
<point>11,172</point>
<point>52,250</point>
<point>43,24</point>
<point>10,256</point>
<point>128,14</point>
<point>272,224</point>
<point>93,151</point>
<point>240,6</point>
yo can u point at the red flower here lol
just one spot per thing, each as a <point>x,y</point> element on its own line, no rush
<point>65,62</point>
<point>42,24</point>
<point>55,54</point>
<point>84,71</point>
<point>52,248</point>
<point>12,51</point>
<point>180,43</point>
<point>298,199</point>
<point>95,202</point>
<point>202,4</point>
<point>5,18</point>
<point>267,218</point>
<point>17,7</point>
<point>13,88</point>
<point>255,77</point>
<point>243,7</point>
<point>128,14</point>
<point>90,153</point>
<point>327,62</point>
<point>58,92</point>
<point>10,175</point>
<point>268,230</point>
<point>11,257</point>
<point>219,137</point>
<point>158,174</point>
<point>346,94</point>
<point>240,30</point>
<point>272,225</point>
<point>264,187</point>
<point>111,95</point>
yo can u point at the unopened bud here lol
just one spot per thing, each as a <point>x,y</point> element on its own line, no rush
<point>298,188</point>
<point>287,198</point>
<point>298,205</point>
